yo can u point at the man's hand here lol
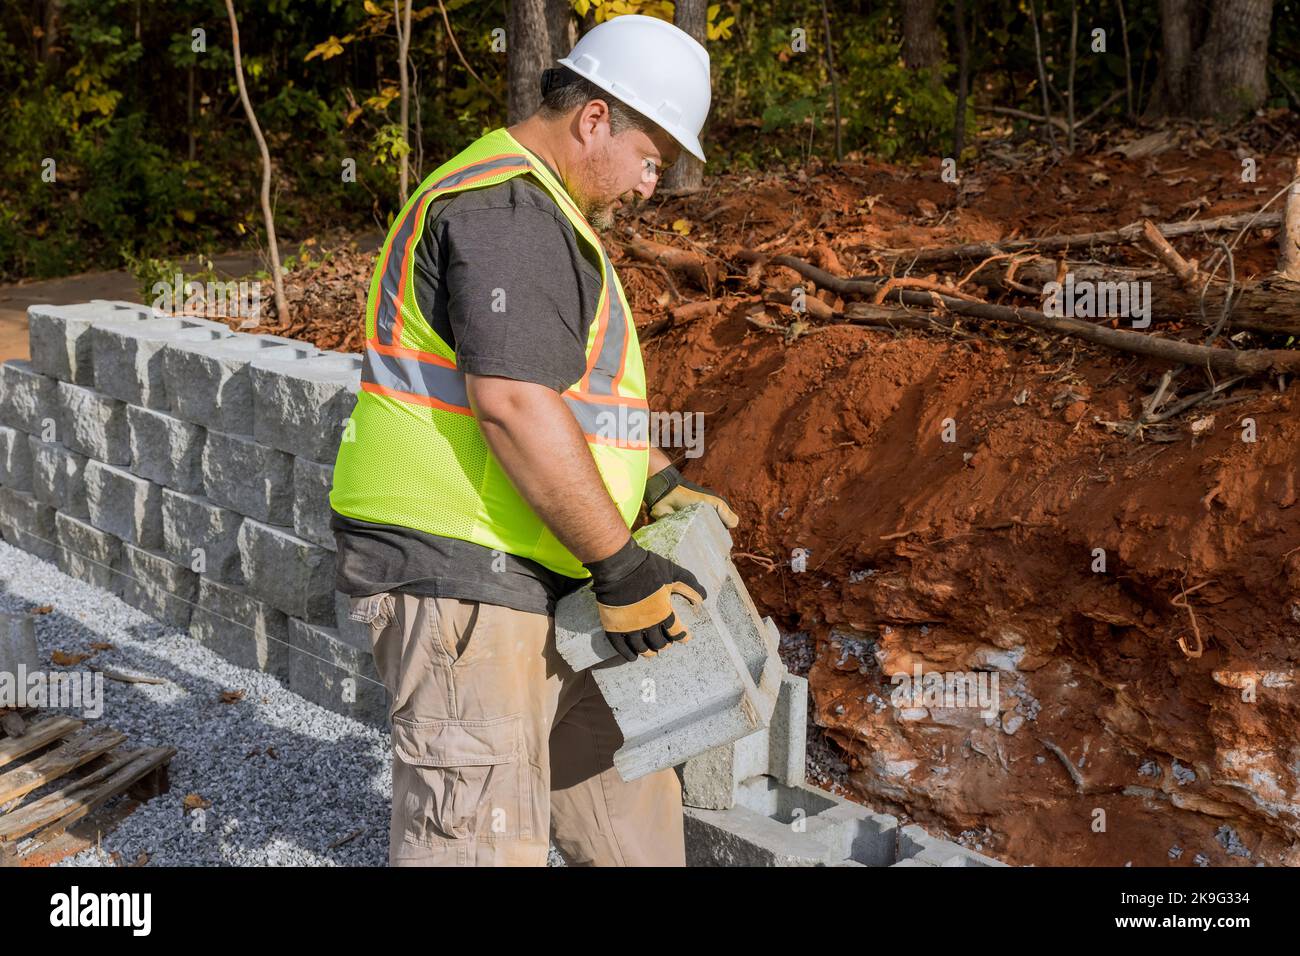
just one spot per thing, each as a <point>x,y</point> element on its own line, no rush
<point>667,491</point>
<point>633,589</point>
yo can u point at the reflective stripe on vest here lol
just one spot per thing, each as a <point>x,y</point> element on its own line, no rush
<point>426,378</point>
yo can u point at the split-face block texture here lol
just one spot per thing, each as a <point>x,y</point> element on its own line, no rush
<point>773,824</point>
<point>187,468</point>
<point>711,691</point>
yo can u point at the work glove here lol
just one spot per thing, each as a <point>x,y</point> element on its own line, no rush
<point>667,491</point>
<point>632,588</point>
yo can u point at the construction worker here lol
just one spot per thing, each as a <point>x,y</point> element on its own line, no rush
<point>498,457</point>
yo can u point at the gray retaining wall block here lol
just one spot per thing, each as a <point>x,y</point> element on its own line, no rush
<point>711,691</point>
<point>92,424</point>
<point>27,523</point>
<point>53,333</point>
<point>57,336</point>
<point>123,504</point>
<point>335,673</point>
<point>209,383</point>
<point>302,407</point>
<point>287,572</point>
<point>88,554</point>
<point>15,459</point>
<point>241,629</point>
<point>917,847</point>
<point>252,479</point>
<point>712,779</point>
<point>26,397</point>
<point>58,477</point>
<point>190,522</point>
<point>166,449</point>
<point>311,502</point>
<point>776,825</point>
<point>128,359</point>
<point>161,588</point>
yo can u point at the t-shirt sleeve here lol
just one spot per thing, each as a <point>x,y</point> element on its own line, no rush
<point>514,295</point>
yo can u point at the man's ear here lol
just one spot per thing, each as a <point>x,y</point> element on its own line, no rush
<point>590,118</point>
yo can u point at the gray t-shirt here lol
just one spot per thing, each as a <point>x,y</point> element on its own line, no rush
<point>501,276</point>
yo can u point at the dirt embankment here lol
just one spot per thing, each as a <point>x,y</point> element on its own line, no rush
<point>985,553</point>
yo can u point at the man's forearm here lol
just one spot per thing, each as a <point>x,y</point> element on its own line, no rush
<point>538,442</point>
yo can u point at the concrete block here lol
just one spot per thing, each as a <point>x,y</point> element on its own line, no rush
<point>335,673</point>
<point>209,383</point>
<point>58,477</point>
<point>26,397</point>
<point>27,523</point>
<point>190,522</point>
<point>18,645</point>
<point>287,572</point>
<point>92,424</point>
<point>914,843</point>
<point>128,360</point>
<point>88,554</point>
<point>311,501</point>
<point>240,628</point>
<point>124,504</point>
<point>15,459</point>
<point>711,691</point>
<point>302,407</point>
<point>165,449</point>
<point>776,825</point>
<point>56,342</point>
<point>711,779</point>
<point>162,589</point>
<point>252,479</point>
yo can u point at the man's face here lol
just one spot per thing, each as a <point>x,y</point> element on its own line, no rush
<point>620,168</point>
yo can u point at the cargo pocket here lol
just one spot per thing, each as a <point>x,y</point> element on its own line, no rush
<point>461,779</point>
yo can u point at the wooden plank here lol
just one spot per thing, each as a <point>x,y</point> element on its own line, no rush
<point>73,753</point>
<point>37,736</point>
<point>148,761</point>
<point>18,823</point>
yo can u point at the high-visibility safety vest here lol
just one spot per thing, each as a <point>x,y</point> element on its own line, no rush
<point>414,455</point>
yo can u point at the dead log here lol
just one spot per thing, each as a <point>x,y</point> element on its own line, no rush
<point>1126,234</point>
<point>1137,343</point>
<point>703,270</point>
<point>1269,305</point>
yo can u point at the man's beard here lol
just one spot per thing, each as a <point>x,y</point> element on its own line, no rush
<point>600,215</point>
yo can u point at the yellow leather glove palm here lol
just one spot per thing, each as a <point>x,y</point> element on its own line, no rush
<point>667,491</point>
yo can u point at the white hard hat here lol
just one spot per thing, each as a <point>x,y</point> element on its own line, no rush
<point>655,68</point>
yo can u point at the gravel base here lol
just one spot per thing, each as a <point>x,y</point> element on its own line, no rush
<point>285,777</point>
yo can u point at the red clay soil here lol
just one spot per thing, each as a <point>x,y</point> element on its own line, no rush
<point>982,553</point>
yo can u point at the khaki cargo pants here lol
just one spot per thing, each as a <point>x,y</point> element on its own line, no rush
<point>499,747</point>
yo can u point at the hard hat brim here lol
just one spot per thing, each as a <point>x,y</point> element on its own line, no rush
<point>683,138</point>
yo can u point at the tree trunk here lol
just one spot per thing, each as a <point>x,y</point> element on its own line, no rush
<point>559,25</point>
<point>528,51</point>
<point>687,174</point>
<point>1231,75</point>
<point>921,49</point>
<point>402,20</point>
<point>273,247</point>
<point>1215,65</point>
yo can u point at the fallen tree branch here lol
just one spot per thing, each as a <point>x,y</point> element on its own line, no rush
<point>699,267</point>
<point>1184,270</point>
<point>1122,236</point>
<point>1251,360</point>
